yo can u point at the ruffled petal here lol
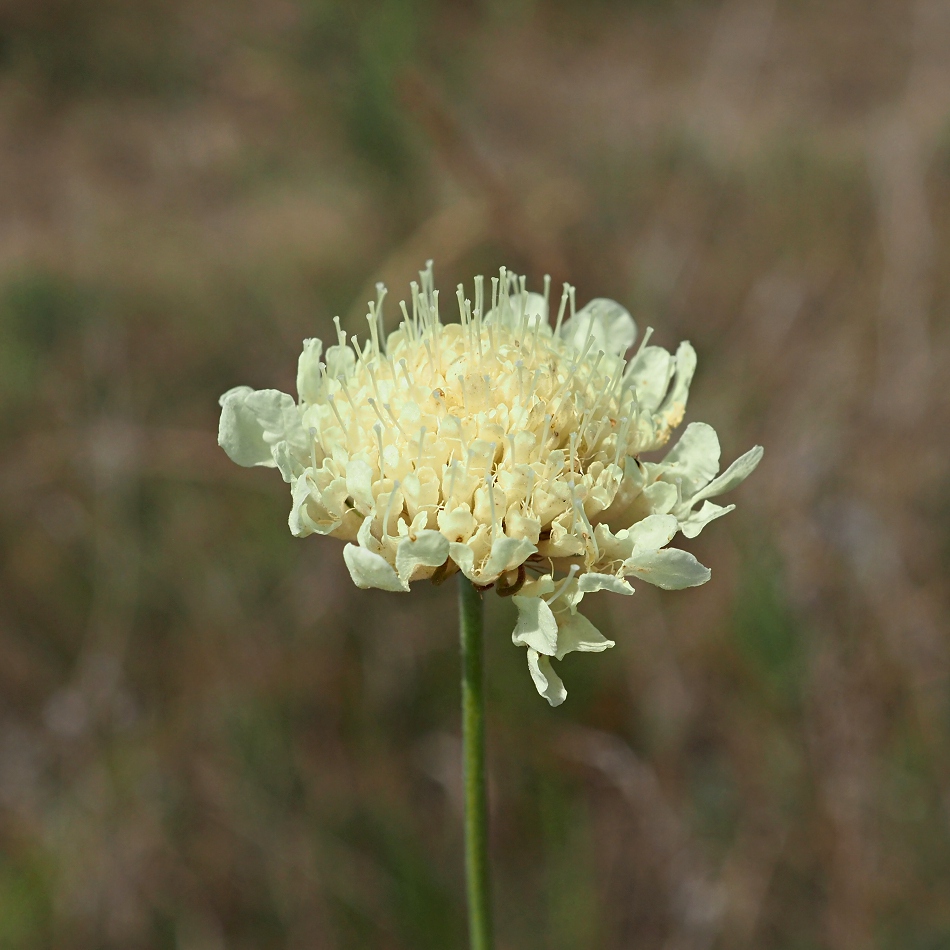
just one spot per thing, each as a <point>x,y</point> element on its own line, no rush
<point>733,476</point>
<point>506,554</point>
<point>611,325</point>
<point>652,532</point>
<point>576,632</point>
<point>669,568</point>
<point>428,549</point>
<point>536,627</point>
<point>253,421</point>
<point>697,520</point>
<point>651,371</point>
<point>371,570</point>
<point>694,460</point>
<point>309,377</point>
<point>591,581</point>
<point>547,682</point>
<point>673,408</point>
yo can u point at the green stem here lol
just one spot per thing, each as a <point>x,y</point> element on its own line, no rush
<point>473,754</point>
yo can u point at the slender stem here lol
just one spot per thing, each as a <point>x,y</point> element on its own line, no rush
<point>473,753</point>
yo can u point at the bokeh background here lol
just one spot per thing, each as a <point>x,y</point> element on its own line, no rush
<point>208,738</point>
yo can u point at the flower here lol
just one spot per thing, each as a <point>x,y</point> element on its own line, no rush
<point>499,446</point>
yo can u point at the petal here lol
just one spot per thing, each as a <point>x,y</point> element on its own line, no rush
<point>429,549</point>
<point>547,682</point>
<point>653,532</point>
<point>694,460</point>
<point>671,568</point>
<point>578,633</point>
<point>289,466</point>
<point>590,582</point>
<point>737,473</point>
<point>536,308</point>
<point>698,520</point>
<point>463,556</point>
<point>660,497</point>
<point>673,408</point>
<point>613,329</point>
<point>506,554</point>
<point>359,483</point>
<point>536,627</point>
<point>371,570</point>
<point>253,421</point>
<point>309,378</point>
<point>650,372</point>
<point>340,361</point>
<point>301,524</point>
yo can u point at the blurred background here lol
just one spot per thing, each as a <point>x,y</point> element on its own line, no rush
<point>208,738</point>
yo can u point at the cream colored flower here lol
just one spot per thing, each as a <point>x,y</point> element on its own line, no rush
<point>498,446</point>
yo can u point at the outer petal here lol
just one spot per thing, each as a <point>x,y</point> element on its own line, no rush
<point>578,633</point>
<point>536,627</point>
<point>310,512</point>
<point>653,531</point>
<point>548,683</point>
<point>506,554</point>
<point>694,460</point>
<point>371,570</point>
<point>674,405</point>
<point>613,329</point>
<point>359,483</point>
<point>670,568</point>
<point>590,582</point>
<point>650,371</point>
<point>536,308</point>
<point>737,473</point>
<point>697,520</point>
<point>309,382</point>
<point>429,549</point>
<point>253,421</point>
<point>463,556</point>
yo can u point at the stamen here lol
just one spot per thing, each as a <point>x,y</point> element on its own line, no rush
<point>339,418</point>
<point>375,409</point>
<point>422,439</point>
<point>489,482</point>
<point>392,415</point>
<point>431,360</point>
<point>340,334</point>
<point>453,472</point>
<point>380,297</point>
<point>373,328</point>
<point>621,439</point>
<point>389,509</point>
<point>567,580</point>
<point>313,448</point>
<point>479,294</point>
<point>560,312</point>
<point>378,429</point>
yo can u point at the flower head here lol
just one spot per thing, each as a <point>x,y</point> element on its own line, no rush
<point>499,446</point>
